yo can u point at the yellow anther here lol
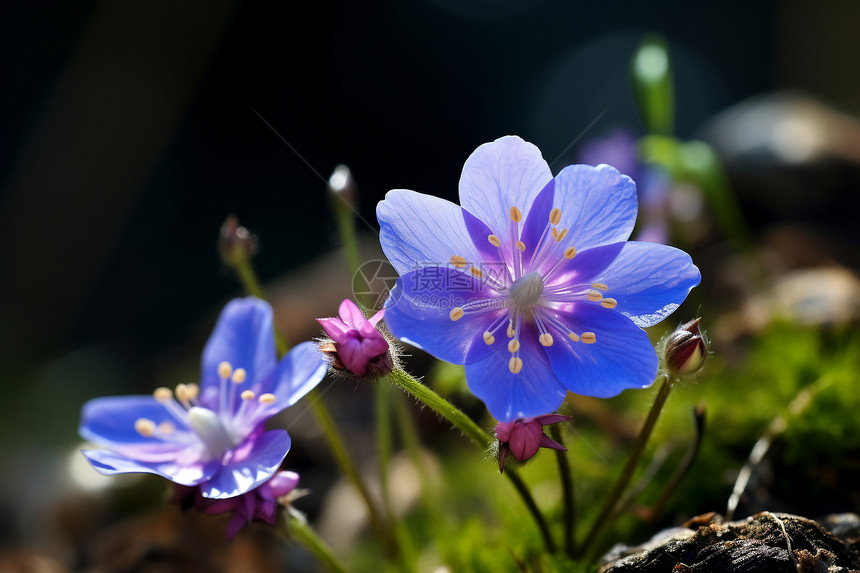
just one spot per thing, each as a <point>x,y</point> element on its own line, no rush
<point>555,216</point>
<point>570,252</point>
<point>459,261</point>
<point>513,345</point>
<point>163,394</point>
<point>609,303</point>
<point>182,393</point>
<point>521,246</point>
<point>554,233</point>
<point>589,337</point>
<point>476,271</point>
<point>494,240</point>
<point>239,375</point>
<point>511,330</point>
<point>546,339</point>
<point>248,395</point>
<point>599,286</point>
<point>224,370</point>
<point>193,390</point>
<point>594,295</point>
<point>166,427</point>
<point>516,215</point>
<point>144,427</point>
<point>456,313</point>
<point>488,337</point>
<point>561,235</point>
<point>267,398</point>
<point>515,364</point>
<point>573,336</point>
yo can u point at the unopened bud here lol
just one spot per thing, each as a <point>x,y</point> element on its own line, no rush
<point>234,241</point>
<point>686,349</point>
<point>341,184</point>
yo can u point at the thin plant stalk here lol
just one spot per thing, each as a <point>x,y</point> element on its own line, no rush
<point>604,517</point>
<point>299,531</point>
<point>568,499</point>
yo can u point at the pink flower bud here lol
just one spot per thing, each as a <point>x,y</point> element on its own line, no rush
<point>524,437</point>
<point>356,344</point>
<point>686,349</point>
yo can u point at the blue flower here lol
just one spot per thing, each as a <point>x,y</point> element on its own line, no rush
<point>212,435</point>
<point>531,283</point>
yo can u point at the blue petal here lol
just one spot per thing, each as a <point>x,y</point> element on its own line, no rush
<point>649,281</point>
<point>245,472</point>
<point>184,473</point>
<point>533,392</point>
<point>418,312</point>
<point>417,230</point>
<point>622,357</point>
<point>508,172</point>
<point>598,205</point>
<point>298,373</point>
<point>245,338</point>
<point>110,422</point>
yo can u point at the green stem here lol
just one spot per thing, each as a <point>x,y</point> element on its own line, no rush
<point>566,489</point>
<point>298,530</point>
<point>636,452</point>
<point>474,432</point>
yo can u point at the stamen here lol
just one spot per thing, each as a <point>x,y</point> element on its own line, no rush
<point>609,303</point>
<point>267,398</point>
<point>573,336</point>
<point>193,390</point>
<point>554,234</point>
<point>476,271</point>
<point>570,252</point>
<point>183,394</point>
<point>521,246</point>
<point>239,375</point>
<point>589,337</point>
<point>166,427</point>
<point>561,235</point>
<point>458,261</point>
<point>456,313</point>
<point>144,427</point>
<point>494,240</point>
<point>224,370</point>
<point>163,394</point>
<point>599,286</point>
<point>546,339</point>
<point>513,345</point>
<point>515,364</point>
<point>594,295</point>
<point>511,330</point>
<point>488,337</point>
<point>555,216</point>
<point>516,215</point>
<point>248,395</point>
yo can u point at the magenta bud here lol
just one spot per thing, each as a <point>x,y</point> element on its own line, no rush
<point>523,437</point>
<point>356,344</point>
<point>686,349</point>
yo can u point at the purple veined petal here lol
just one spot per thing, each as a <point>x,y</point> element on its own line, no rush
<point>536,223</point>
<point>622,356</point>
<point>534,391</point>
<point>245,472</point>
<point>297,374</point>
<point>649,281</point>
<point>505,173</point>
<point>243,337</point>
<point>493,259</point>
<point>183,472</point>
<point>418,311</point>
<point>583,268</point>
<point>598,205</point>
<point>351,314</point>
<point>417,230</point>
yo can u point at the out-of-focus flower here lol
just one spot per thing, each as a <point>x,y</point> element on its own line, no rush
<point>261,503</point>
<point>686,349</point>
<point>211,436</point>
<point>524,437</point>
<point>532,283</point>
<point>356,345</point>
<point>235,241</point>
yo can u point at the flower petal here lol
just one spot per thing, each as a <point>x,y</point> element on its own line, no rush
<point>298,373</point>
<point>243,337</point>
<point>622,356</point>
<point>245,472</point>
<point>505,173</point>
<point>418,311</point>
<point>532,392</point>
<point>350,314</point>
<point>649,281</point>
<point>335,328</point>
<point>417,230</point>
<point>109,463</point>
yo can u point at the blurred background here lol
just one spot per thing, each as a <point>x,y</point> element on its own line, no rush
<point>130,130</point>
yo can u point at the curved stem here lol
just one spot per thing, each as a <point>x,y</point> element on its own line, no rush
<point>567,491</point>
<point>298,530</point>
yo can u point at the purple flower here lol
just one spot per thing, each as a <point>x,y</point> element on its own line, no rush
<point>358,345</point>
<point>531,283</point>
<point>259,504</point>
<point>524,437</point>
<point>211,436</point>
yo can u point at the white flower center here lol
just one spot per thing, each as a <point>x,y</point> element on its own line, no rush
<point>527,290</point>
<point>209,426</point>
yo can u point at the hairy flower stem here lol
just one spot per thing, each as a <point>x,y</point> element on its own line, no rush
<point>298,530</point>
<point>474,432</point>
<point>564,474</point>
<point>605,516</point>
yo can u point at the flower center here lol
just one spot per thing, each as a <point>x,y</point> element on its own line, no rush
<point>527,290</point>
<point>209,426</point>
